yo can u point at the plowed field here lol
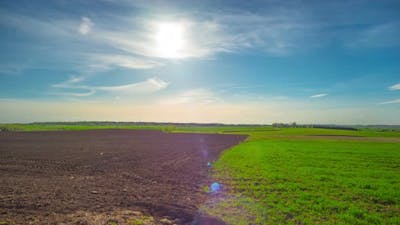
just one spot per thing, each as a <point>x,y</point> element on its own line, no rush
<point>70,176</point>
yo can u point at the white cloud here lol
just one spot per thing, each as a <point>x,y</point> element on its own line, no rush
<point>198,96</point>
<point>145,87</point>
<point>75,94</point>
<point>395,87</point>
<point>85,26</point>
<point>60,28</point>
<point>76,79</point>
<point>390,102</point>
<point>105,61</point>
<point>203,38</point>
<point>72,82</point>
<point>319,95</point>
<point>148,86</point>
<point>129,40</point>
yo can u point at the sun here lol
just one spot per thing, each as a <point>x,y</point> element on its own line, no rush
<point>170,40</point>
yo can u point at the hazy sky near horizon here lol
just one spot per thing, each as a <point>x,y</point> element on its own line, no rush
<point>200,61</point>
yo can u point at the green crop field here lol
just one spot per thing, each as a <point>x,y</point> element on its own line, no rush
<point>287,176</point>
<point>317,181</point>
<point>296,175</point>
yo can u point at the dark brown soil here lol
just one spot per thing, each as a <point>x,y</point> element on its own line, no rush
<point>45,176</point>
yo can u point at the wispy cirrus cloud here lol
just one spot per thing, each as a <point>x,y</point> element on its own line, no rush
<point>198,96</point>
<point>143,40</point>
<point>106,61</point>
<point>74,87</point>
<point>319,95</point>
<point>395,87</point>
<point>85,93</point>
<point>72,82</point>
<point>395,101</point>
<point>377,35</point>
<point>108,47</point>
<point>148,86</point>
<point>128,40</point>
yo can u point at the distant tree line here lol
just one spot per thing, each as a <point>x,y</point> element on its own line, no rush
<point>294,124</point>
<point>328,126</point>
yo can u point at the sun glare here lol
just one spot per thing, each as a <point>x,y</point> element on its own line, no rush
<point>170,40</point>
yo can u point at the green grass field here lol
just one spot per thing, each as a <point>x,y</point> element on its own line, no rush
<point>316,182</point>
<point>298,175</point>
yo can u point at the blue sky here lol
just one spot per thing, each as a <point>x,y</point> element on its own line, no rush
<point>200,61</point>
